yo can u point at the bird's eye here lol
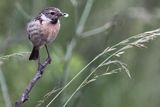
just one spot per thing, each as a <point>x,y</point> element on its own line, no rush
<point>52,13</point>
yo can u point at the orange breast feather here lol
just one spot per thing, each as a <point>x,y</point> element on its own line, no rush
<point>50,31</point>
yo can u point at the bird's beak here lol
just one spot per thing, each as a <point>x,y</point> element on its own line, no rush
<point>64,14</point>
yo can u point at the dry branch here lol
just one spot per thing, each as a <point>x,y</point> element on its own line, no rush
<point>25,95</point>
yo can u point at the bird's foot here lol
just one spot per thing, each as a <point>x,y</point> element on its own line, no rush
<point>40,68</point>
<point>49,60</point>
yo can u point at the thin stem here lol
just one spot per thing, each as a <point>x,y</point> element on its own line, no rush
<point>97,30</point>
<point>150,33</point>
<point>78,88</point>
<point>13,55</point>
<point>73,80</point>
<point>68,55</point>
<point>76,76</point>
<point>84,17</point>
<point>70,49</point>
<point>4,88</point>
<point>89,76</point>
<point>22,11</point>
<point>73,43</point>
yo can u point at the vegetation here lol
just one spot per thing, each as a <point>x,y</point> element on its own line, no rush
<point>94,45</point>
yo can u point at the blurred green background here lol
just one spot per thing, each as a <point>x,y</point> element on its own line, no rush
<point>130,17</point>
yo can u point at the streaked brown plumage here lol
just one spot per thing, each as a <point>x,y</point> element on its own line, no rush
<point>43,29</point>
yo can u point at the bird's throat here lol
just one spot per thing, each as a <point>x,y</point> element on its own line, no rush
<point>54,21</point>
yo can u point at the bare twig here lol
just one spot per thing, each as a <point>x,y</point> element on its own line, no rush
<point>38,75</point>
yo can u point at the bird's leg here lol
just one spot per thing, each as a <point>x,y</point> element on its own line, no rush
<point>49,57</point>
<point>40,66</point>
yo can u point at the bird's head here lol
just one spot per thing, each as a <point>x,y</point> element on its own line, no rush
<point>52,14</point>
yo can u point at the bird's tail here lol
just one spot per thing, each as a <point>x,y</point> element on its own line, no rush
<point>34,54</point>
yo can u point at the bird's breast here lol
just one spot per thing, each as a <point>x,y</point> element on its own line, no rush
<point>50,31</point>
<point>42,33</point>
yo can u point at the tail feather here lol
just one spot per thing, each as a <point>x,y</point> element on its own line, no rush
<point>34,54</point>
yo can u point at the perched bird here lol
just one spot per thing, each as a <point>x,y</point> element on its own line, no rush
<point>44,29</point>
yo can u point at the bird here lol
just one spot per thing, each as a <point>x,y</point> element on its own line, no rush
<point>43,29</point>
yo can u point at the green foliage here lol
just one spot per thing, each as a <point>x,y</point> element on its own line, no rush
<point>86,40</point>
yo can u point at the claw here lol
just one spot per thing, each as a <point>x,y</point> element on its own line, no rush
<point>49,60</point>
